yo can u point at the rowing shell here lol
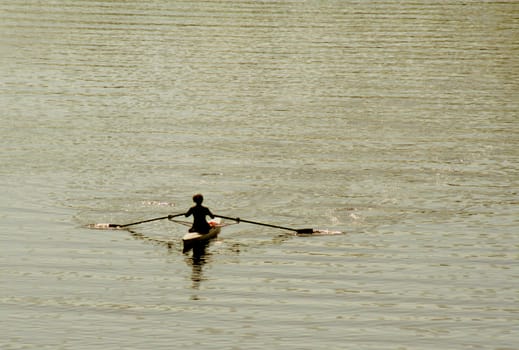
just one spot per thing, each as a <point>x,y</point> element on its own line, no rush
<point>194,239</point>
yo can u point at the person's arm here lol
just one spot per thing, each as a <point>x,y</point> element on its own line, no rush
<point>211,215</point>
<point>189,212</point>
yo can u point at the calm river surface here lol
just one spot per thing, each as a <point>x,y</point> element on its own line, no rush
<point>395,122</point>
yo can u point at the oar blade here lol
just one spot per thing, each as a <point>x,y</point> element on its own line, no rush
<point>104,226</point>
<point>304,231</point>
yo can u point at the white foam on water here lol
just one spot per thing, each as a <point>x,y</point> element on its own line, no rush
<point>327,233</point>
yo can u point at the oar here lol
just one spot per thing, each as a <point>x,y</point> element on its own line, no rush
<point>303,230</point>
<point>135,223</point>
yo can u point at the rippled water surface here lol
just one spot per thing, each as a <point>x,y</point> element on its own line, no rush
<point>394,122</point>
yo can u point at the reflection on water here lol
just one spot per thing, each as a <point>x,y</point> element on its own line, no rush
<point>197,261</point>
<point>201,255</point>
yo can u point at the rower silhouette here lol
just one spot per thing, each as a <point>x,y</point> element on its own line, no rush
<point>199,213</point>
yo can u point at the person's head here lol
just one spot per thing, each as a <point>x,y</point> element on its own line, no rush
<point>198,198</point>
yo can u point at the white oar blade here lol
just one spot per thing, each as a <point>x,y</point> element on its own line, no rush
<point>103,226</point>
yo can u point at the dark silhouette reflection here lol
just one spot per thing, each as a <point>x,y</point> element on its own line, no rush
<point>199,258</point>
<point>197,261</point>
<point>195,257</point>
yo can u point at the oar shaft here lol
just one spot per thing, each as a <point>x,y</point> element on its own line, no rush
<point>143,221</point>
<point>149,220</point>
<point>260,223</point>
<point>268,225</point>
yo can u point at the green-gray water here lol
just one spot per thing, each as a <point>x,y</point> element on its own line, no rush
<point>393,121</point>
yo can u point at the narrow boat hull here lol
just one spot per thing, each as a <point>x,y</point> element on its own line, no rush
<point>193,240</point>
